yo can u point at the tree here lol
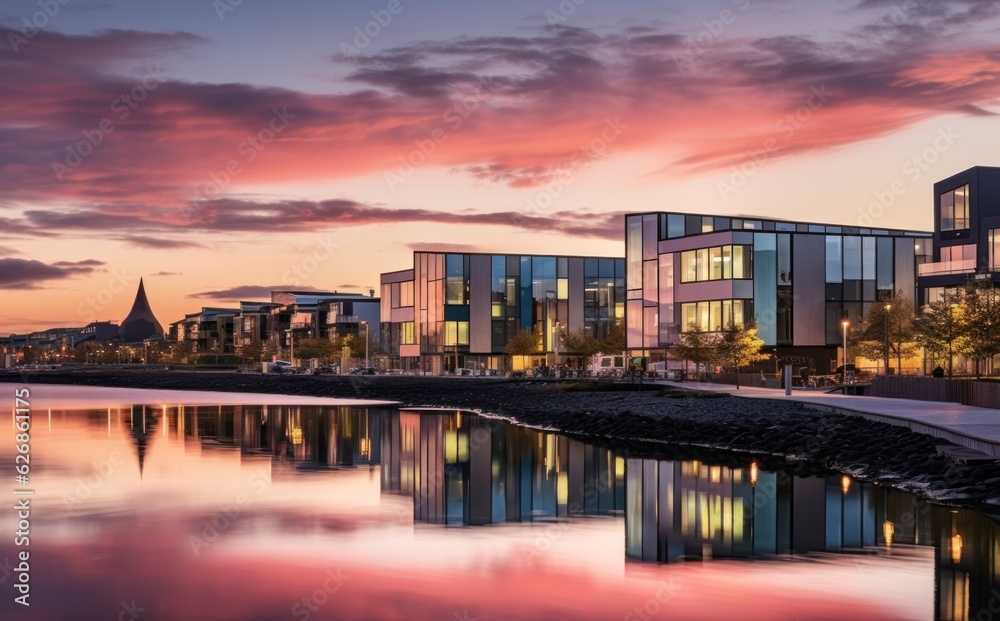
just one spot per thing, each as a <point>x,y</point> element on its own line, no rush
<point>614,342</point>
<point>940,328</point>
<point>582,343</point>
<point>739,346</point>
<point>869,338</point>
<point>524,343</point>
<point>697,346</point>
<point>182,350</point>
<point>307,349</point>
<point>252,352</point>
<point>354,343</point>
<point>981,310</point>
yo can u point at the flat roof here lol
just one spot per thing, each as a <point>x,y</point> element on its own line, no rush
<point>844,228</point>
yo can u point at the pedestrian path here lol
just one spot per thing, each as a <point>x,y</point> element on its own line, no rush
<point>972,427</point>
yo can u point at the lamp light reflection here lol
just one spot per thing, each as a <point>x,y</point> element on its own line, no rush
<point>888,530</point>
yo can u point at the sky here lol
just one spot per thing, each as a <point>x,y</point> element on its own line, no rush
<point>221,149</point>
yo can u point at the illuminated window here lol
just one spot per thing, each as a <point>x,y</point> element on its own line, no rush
<point>407,334</point>
<point>456,333</point>
<point>994,250</point>
<point>716,263</point>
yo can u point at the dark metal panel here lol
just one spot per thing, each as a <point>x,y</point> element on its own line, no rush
<point>576,281</point>
<point>480,303</point>
<point>808,289</point>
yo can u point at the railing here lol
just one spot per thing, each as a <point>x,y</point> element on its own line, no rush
<point>963,266</point>
<point>964,391</point>
<point>348,319</point>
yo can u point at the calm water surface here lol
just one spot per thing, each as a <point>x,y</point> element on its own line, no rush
<point>277,512</point>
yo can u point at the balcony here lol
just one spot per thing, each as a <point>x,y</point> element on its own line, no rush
<point>348,319</point>
<point>962,266</point>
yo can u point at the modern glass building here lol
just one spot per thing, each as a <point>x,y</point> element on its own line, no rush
<point>796,281</point>
<point>455,311</point>
<point>966,232</point>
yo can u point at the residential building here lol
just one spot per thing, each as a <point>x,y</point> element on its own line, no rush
<point>796,281</point>
<point>966,241</point>
<point>323,315</point>
<point>459,310</point>
<point>252,324</point>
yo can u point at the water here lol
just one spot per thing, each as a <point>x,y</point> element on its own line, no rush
<point>281,512</point>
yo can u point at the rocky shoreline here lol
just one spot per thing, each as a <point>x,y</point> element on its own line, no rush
<point>657,422</point>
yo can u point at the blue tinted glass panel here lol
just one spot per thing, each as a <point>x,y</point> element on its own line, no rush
<point>852,258</point>
<point>834,271</point>
<point>765,285</point>
<point>675,226</point>
<point>454,265</point>
<point>606,268</point>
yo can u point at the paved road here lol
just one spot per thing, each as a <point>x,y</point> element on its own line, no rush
<point>972,427</point>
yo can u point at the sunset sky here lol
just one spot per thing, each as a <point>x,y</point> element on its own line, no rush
<point>221,149</point>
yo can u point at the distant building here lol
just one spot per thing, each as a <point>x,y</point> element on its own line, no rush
<point>456,310</point>
<point>140,324</point>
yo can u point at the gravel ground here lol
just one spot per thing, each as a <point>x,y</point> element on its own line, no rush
<point>657,422</point>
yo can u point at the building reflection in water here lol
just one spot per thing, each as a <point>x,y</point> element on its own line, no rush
<point>464,469</point>
<point>680,510</point>
<point>461,469</point>
<point>302,437</point>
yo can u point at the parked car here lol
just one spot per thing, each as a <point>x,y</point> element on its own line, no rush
<point>363,371</point>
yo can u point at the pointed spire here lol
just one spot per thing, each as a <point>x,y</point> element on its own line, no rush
<point>140,323</point>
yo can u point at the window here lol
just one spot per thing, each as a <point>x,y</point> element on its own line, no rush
<point>406,293</point>
<point>407,335</point>
<point>715,268</point>
<point>955,209</point>
<point>456,333</point>
<point>713,315</point>
<point>562,288</point>
<point>994,248</point>
<point>852,258</point>
<point>633,252</point>
<point>834,259</point>
<point>716,263</point>
<point>689,261</point>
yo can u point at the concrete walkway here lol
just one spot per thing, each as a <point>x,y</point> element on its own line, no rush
<point>971,427</point>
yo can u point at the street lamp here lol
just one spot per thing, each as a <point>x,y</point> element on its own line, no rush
<point>951,337</point>
<point>888,307</point>
<point>845,322</point>
<point>291,346</point>
<point>365,324</point>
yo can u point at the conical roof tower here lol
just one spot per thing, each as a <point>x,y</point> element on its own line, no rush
<point>140,323</point>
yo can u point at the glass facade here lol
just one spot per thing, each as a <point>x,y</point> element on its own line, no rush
<point>794,281</point>
<point>462,305</point>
